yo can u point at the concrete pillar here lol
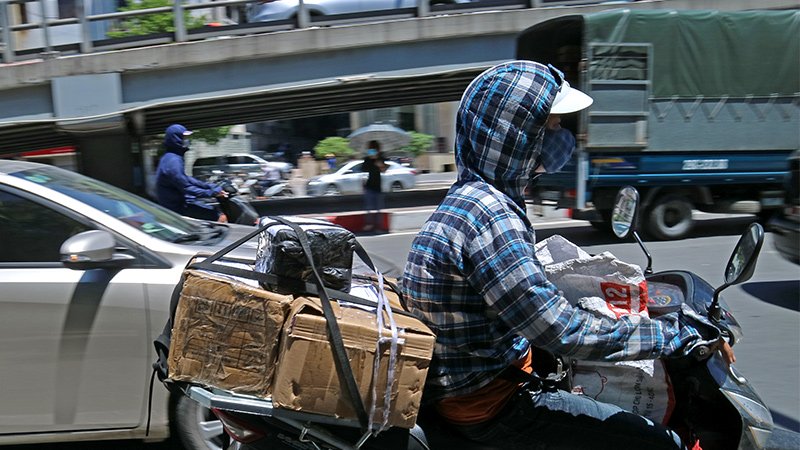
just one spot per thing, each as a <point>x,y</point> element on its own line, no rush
<point>447,123</point>
<point>110,158</point>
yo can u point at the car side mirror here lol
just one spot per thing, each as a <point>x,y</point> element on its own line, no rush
<point>93,249</point>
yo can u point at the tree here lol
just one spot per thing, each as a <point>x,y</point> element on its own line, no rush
<point>420,143</point>
<point>339,146</point>
<point>210,135</point>
<point>151,23</point>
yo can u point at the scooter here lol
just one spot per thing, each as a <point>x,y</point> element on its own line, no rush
<point>715,405</point>
<point>261,188</point>
<point>237,209</point>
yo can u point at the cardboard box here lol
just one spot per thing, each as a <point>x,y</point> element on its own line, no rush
<point>306,378</point>
<point>225,334</point>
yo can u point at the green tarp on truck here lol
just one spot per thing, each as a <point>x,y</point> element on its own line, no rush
<point>752,52</point>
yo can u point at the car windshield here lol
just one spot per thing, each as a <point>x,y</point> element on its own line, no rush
<point>137,212</point>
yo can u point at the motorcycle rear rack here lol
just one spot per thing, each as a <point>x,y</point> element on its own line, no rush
<point>303,422</point>
<point>229,401</point>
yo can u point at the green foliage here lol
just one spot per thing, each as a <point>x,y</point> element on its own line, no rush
<point>420,143</point>
<point>339,146</point>
<point>151,23</point>
<point>210,135</point>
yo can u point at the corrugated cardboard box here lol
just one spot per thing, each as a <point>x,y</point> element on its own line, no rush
<point>225,334</point>
<point>306,378</point>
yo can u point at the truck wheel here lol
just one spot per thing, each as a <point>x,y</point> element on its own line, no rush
<point>670,217</point>
<point>604,223</point>
<point>196,427</point>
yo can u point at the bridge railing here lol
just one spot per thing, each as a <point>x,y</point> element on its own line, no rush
<point>27,30</point>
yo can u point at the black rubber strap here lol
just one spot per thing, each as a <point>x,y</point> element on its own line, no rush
<point>341,361</point>
<point>210,264</point>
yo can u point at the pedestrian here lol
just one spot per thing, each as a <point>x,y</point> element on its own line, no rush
<point>374,165</point>
<point>178,191</point>
<point>330,158</point>
<point>472,275</point>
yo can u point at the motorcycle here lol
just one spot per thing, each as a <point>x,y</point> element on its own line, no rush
<point>715,404</point>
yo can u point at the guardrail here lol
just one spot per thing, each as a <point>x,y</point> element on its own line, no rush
<point>13,50</point>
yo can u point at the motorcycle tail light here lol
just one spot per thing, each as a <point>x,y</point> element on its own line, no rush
<point>238,430</point>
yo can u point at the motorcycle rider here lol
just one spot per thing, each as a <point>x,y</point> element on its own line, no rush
<point>180,192</point>
<point>473,277</point>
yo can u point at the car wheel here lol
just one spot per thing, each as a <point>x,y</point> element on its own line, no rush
<point>396,186</point>
<point>331,189</point>
<point>196,427</point>
<point>670,217</point>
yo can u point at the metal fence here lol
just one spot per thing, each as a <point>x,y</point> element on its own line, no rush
<point>15,25</point>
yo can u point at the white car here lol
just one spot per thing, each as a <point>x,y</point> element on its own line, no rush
<point>76,337</point>
<point>287,9</point>
<point>349,179</point>
<point>238,164</point>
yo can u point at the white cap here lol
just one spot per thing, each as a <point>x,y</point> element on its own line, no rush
<point>569,99</point>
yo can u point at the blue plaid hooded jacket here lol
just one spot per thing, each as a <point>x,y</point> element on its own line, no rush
<point>472,274</point>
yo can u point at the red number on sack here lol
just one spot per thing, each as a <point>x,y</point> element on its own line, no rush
<point>616,294</point>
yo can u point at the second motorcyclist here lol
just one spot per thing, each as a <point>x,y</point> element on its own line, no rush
<point>180,192</point>
<point>473,277</point>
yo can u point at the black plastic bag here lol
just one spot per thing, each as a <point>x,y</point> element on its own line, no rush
<point>280,253</point>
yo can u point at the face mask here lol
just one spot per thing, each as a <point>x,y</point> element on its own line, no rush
<point>186,142</point>
<point>557,148</point>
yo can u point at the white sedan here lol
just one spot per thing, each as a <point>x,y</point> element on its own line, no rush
<point>349,179</point>
<point>86,275</point>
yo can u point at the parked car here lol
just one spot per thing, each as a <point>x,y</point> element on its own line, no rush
<point>86,274</point>
<point>349,179</point>
<point>238,164</point>
<point>287,9</point>
<point>785,225</point>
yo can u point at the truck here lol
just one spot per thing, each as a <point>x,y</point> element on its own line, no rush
<point>699,110</point>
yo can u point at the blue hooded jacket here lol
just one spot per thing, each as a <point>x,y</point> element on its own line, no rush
<point>174,188</point>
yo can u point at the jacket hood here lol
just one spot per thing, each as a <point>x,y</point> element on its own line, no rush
<point>500,124</point>
<point>174,139</point>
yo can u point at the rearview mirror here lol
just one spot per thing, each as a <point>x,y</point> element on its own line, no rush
<point>741,265</point>
<point>623,217</point>
<point>743,259</point>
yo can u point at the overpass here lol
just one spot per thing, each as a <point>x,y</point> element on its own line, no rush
<point>103,102</point>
